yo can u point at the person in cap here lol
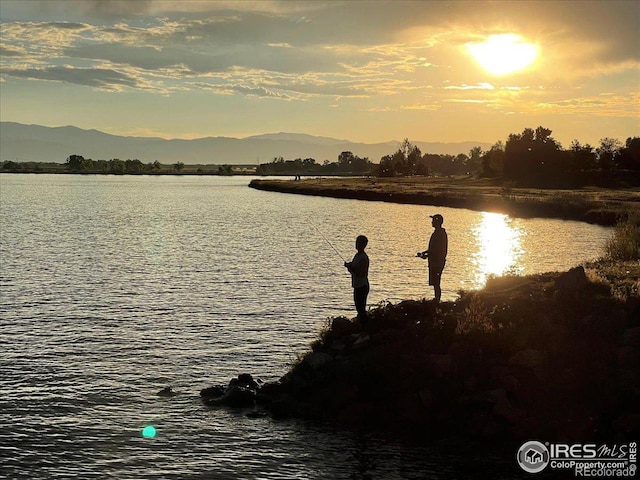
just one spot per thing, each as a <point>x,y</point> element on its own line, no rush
<point>436,253</point>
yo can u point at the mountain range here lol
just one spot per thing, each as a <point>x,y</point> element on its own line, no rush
<point>36,143</point>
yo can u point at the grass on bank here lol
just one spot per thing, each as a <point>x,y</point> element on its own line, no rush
<point>590,203</point>
<point>624,245</point>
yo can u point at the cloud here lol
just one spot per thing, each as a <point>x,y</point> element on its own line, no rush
<point>423,106</point>
<point>351,49</point>
<point>100,78</point>
<point>479,86</point>
<point>605,104</point>
<point>11,52</point>
<point>230,89</point>
<point>62,25</point>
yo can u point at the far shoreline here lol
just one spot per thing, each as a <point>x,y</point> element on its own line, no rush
<point>595,205</point>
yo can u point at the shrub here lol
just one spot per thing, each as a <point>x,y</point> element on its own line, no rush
<point>625,241</point>
<point>475,318</point>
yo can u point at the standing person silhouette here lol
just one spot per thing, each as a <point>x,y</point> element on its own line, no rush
<point>436,253</point>
<point>359,269</point>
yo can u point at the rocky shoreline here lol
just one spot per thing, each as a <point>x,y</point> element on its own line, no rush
<point>553,356</point>
<point>568,205</point>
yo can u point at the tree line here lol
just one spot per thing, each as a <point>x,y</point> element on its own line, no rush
<point>347,163</point>
<point>532,157</point>
<point>78,164</point>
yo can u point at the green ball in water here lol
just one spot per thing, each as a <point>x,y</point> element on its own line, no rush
<point>149,431</point>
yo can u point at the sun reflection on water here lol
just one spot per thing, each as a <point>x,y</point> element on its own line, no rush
<point>498,239</point>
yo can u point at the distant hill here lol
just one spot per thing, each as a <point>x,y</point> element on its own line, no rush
<point>35,143</point>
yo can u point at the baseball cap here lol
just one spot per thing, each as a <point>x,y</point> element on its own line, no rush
<point>437,218</point>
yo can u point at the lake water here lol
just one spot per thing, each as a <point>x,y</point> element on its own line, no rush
<point>115,287</point>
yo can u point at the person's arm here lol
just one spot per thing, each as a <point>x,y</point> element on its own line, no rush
<point>356,265</point>
<point>351,265</point>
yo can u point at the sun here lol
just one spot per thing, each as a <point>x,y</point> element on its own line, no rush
<point>503,54</point>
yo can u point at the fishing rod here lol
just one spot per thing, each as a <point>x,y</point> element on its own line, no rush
<point>326,240</point>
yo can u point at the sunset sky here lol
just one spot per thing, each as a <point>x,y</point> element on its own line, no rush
<point>367,71</point>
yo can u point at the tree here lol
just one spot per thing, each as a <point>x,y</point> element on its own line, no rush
<point>309,164</point>
<point>10,166</point>
<point>360,164</point>
<point>413,160</point>
<point>422,168</point>
<point>460,164</point>
<point>225,170</point>
<point>583,157</point>
<point>475,159</point>
<point>75,162</point>
<point>101,166</point>
<point>133,166</point>
<point>399,163</point>
<point>493,161</point>
<point>629,156</point>
<point>532,157</point>
<point>178,166</point>
<point>607,152</point>
<point>386,168</point>
<point>116,166</point>
<point>345,159</point>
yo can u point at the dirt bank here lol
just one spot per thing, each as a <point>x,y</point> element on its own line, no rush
<point>590,204</point>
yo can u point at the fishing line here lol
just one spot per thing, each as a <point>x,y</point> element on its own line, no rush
<point>326,239</point>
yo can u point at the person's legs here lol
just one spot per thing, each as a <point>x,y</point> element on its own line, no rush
<point>360,299</point>
<point>437,292</point>
<point>435,273</point>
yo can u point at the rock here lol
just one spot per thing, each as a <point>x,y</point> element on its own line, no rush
<point>628,360</point>
<point>631,337</point>
<point>503,408</point>
<point>529,358</point>
<point>338,346</point>
<point>341,326</point>
<point>167,392</point>
<point>356,414</point>
<point>471,383</point>
<point>237,396</point>
<point>442,364</point>
<point>271,388</point>
<point>574,279</point>
<point>410,410</point>
<point>241,392</point>
<point>212,396</point>
<point>317,360</point>
<point>628,424</point>
<point>361,341</point>
<point>426,398</point>
<point>483,425</point>
<point>503,376</point>
<point>256,414</point>
<point>246,380</point>
<point>212,392</point>
<point>336,397</point>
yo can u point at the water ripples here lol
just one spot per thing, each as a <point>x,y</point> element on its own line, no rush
<point>115,287</point>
